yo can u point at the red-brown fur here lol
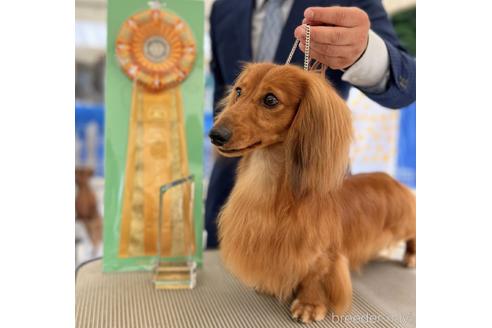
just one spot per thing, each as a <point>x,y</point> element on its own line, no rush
<point>86,206</point>
<point>295,222</point>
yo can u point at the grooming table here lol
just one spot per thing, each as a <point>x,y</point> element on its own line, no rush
<point>384,296</point>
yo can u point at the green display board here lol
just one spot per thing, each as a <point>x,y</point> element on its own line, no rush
<point>118,104</point>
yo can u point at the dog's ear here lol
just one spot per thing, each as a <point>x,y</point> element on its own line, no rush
<point>318,140</point>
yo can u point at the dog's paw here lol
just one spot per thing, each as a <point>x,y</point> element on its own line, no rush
<point>261,291</point>
<point>304,312</point>
<point>410,260</point>
<point>258,290</point>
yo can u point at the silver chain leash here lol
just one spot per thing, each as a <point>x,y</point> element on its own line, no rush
<point>292,51</point>
<point>307,59</point>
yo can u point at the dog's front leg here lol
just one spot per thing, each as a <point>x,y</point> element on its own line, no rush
<point>338,285</point>
<point>311,300</point>
<point>327,284</point>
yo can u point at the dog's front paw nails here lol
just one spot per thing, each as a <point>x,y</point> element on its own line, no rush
<point>304,312</point>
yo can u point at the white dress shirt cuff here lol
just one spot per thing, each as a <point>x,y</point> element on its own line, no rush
<point>371,71</point>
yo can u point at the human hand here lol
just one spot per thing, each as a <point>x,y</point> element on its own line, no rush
<point>339,35</point>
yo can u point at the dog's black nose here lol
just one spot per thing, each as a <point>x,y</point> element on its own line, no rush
<point>220,135</point>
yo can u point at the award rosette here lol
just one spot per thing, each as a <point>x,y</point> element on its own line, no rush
<point>156,50</point>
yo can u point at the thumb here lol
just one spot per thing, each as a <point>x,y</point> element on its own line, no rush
<point>335,15</point>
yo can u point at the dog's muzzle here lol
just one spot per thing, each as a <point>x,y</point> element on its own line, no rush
<point>220,135</point>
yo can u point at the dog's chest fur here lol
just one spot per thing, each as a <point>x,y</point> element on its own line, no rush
<point>264,250</point>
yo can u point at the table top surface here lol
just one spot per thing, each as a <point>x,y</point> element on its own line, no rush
<point>384,296</point>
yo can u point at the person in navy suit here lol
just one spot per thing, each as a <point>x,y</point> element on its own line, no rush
<point>355,39</point>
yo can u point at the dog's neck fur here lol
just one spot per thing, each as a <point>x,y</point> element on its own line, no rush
<point>265,166</point>
<point>265,169</point>
<point>256,211</point>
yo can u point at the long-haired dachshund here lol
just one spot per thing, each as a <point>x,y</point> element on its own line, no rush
<point>296,222</point>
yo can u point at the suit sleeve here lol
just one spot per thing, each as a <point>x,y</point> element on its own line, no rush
<point>219,85</point>
<point>400,89</point>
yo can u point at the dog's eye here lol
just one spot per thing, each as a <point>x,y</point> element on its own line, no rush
<point>270,100</point>
<point>238,92</point>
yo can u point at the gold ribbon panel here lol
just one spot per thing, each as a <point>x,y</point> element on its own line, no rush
<point>155,49</point>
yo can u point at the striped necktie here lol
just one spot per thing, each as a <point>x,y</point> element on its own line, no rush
<point>273,24</point>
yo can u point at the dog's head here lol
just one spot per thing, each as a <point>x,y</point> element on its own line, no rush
<point>271,104</point>
<point>82,176</point>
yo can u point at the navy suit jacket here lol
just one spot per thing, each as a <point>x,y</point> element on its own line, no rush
<point>230,33</point>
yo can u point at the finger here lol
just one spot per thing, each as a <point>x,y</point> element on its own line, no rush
<point>312,22</point>
<point>318,54</point>
<point>330,61</point>
<point>334,50</point>
<point>333,35</point>
<point>338,16</point>
<point>300,32</point>
<point>328,34</point>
